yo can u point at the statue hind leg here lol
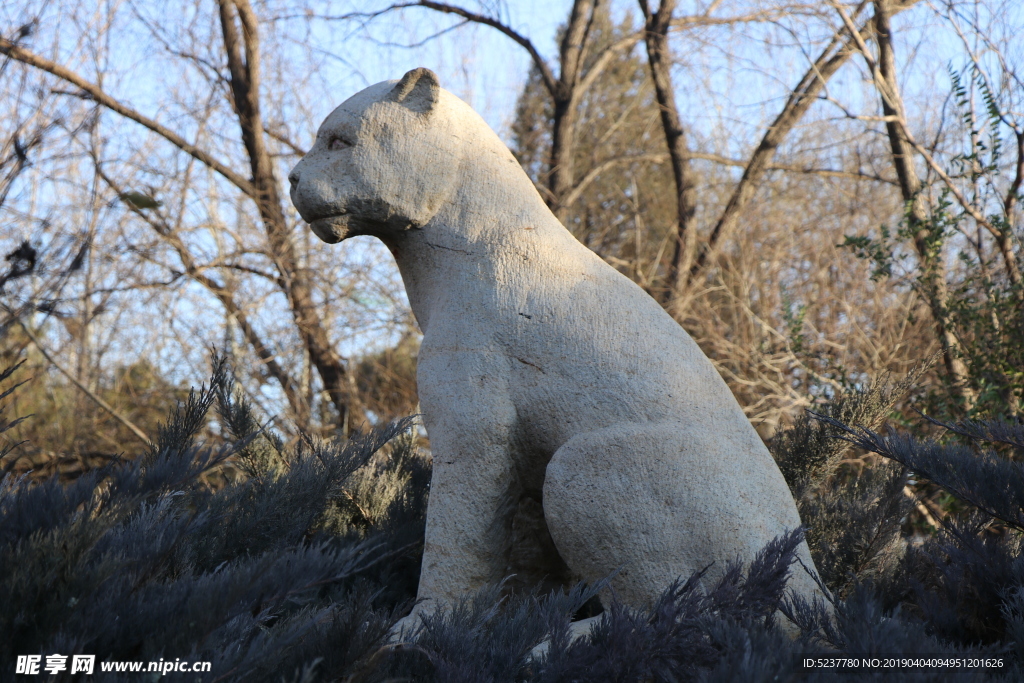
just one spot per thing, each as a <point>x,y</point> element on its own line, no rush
<point>657,501</point>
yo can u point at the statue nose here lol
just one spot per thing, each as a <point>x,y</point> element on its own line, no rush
<point>293,177</point>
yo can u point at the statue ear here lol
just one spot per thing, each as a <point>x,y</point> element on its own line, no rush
<point>418,90</point>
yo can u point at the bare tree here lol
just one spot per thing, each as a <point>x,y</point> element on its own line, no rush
<point>241,51</point>
<point>565,82</point>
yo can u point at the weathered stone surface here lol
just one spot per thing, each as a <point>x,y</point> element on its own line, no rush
<point>566,410</point>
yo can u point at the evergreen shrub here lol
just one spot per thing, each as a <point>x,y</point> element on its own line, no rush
<point>296,569</point>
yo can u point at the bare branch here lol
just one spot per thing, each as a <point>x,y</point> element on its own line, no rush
<point>285,140</point>
<point>1013,193</point>
<point>766,15</point>
<point>96,93</point>
<point>660,158</point>
<point>550,82</point>
<point>601,63</point>
<point>573,48</point>
<point>224,295</point>
<point>84,389</point>
<point>793,168</point>
<point>603,167</point>
<point>835,54</point>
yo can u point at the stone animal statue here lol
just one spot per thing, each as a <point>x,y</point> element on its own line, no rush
<point>576,429</point>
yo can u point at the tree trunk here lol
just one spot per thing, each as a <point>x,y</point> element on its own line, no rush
<point>566,99</point>
<point>245,92</point>
<point>930,253</point>
<point>660,61</point>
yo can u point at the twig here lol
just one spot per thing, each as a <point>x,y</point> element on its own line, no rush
<point>86,390</point>
<point>94,92</point>
<point>922,508</point>
<point>362,511</point>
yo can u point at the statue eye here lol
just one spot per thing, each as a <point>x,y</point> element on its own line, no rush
<point>337,143</point>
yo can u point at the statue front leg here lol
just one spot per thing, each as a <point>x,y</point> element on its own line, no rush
<point>472,490</point>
